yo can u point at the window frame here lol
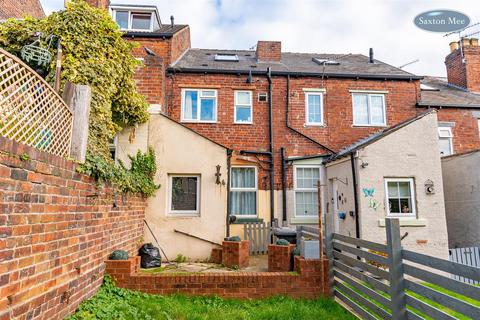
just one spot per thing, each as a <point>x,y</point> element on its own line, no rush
<point>235,104</point>
<point>315,93</point>
<point>369,103</point>
<point>295,187</point>
<point>449,137</point>
<point>177,213</point>
<point>130,18</point>
<point>246,190</point>
<point>411,182</point>
<point>199,106</point>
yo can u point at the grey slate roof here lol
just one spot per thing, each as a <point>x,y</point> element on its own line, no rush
<point>374,137</point>
<point>446,95</point>
<point>352,65</point>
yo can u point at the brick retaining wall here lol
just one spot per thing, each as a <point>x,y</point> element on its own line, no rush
<point>56,230</point>
<point>308,283</point>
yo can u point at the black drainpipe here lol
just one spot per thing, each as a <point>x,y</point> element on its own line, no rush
<point>284,187</point>
<point>229,165</point>
<point>355,195</point>
<point>272,157</point>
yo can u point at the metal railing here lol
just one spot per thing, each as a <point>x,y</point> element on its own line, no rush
<point>31,112</point>
<point>389,282</point>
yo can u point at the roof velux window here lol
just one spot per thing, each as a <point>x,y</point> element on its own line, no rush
<point>322,61</point>
<point>226,57</point>
<point>425,87</point>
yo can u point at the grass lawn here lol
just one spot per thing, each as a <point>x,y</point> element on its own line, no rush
<point>121,304</point>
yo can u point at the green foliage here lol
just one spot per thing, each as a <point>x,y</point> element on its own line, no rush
<point>282,242</point>
<point>24,157</point>
<point>138,179</point>
<point>95,54</point>
<point>180,258</point>
<point>112,303</point>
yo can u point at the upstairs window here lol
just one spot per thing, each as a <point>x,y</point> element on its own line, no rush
<point>314,108</point>
<point>368,109</point>
<point>135,20</point>
<point>199,105</point>
<point>445,142</point>
<point>243,107</point>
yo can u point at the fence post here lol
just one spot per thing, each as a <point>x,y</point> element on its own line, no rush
<point>397,283</point>
<point>329,253</point>
<point>78,98</point>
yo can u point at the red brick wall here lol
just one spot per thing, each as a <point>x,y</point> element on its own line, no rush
<point>56,230</point>
<point>465,132</point>
<point>338,132</point>
<point>465,74</point>
<point>311,281</point>
<point>179,44</point>
<point>20,9</point>
<point>236,254</point>
<point>103,4</point>
<point>280,257</point>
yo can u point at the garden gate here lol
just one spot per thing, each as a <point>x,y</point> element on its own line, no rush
<point>260,236</point>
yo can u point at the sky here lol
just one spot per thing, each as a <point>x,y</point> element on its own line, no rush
<point>318,26</point>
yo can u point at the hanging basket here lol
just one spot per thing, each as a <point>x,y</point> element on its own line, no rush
<point>34,53</point>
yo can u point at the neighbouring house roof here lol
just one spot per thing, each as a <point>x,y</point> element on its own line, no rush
<point>437,92</point>
<point>374,137</point>
<point>20,8</point>
<point>462,154</point>
<point>348,66</point>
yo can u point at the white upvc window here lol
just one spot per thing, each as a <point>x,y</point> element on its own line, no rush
<point>369,109</point>
<point>400,196</point>
<point>243,107</point>
<point>134,20</point>
<point>184,194</point>
<point>243,191</point>
<point>445,140</point>
<point>314,108</point>
<point>199,105</point>
<point>306,179</point>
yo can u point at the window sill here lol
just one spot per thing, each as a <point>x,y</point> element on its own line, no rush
<point>241,220</point>
<point>406,222</point>
<point>247,123</point>
<point>304,220</point>
<point>183,215</point>
<point>315,125</point>
<point>193,121</point>
<point>369,125</point>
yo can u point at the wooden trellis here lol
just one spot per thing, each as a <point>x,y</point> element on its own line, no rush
<point>31,112</point>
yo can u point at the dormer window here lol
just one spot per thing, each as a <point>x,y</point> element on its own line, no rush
<point>133,18</point>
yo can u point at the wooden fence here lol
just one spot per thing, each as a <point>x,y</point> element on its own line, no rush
<point>260,236</point>
<point>468,256</point>
<point>31,112</point>
<point>381,281</point>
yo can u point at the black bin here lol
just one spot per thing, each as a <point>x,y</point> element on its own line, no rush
<point>286,233</point>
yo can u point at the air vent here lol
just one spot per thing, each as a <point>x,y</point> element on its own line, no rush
<point>323,61</point>
<point>226,57</point>
<point>262,97</point>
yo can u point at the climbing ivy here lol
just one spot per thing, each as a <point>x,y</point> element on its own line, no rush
<point>95,54</point>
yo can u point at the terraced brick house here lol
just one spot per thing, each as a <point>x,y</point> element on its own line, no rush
<point>267,121</point>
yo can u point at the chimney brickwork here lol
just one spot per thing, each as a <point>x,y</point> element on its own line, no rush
<point>269,51</point>
<point>463,64</point>
<point>102,4</point>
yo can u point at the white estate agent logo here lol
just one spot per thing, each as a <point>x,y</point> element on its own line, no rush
<point>442,20</point>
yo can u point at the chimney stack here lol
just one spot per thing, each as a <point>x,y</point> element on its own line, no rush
<point>269,51</point>
<point>102,4</point>
<point>463,64</point>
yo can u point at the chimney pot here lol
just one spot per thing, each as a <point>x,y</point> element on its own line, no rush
<point>172,20</point>
<point>370,55</point>
<point>453,46</point>
<point>465,42</point>
<point>474,42</point>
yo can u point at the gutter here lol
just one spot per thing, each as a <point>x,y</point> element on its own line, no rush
<point>294,73</point>
<point>421,104</point>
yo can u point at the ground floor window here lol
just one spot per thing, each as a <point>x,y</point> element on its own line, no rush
<point>184,191</point>
<point>243,191</point>
<point>400,197</point>
<point>306,193</point>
